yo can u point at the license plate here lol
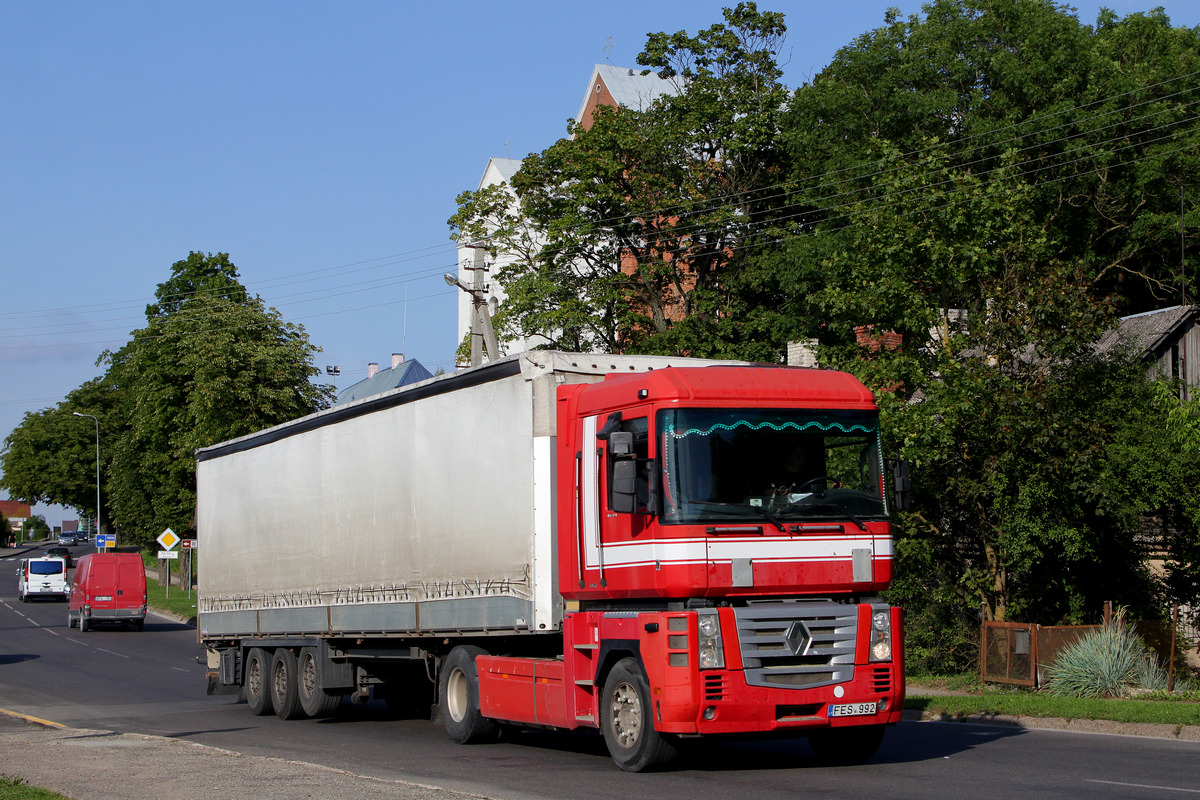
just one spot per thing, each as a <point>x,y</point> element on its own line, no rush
<point>103,597</point>
<point>851,709</point>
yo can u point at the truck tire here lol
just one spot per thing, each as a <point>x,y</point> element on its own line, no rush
<point>83,624</point>
<point>315,701</point>
<point>845,747</point>
<point>458,698</point>
<point>626,719</point>
<point>257,681</point>
<point>70,620</point>
<point>284,694</point>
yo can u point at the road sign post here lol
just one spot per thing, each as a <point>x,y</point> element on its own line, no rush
<point>168,539</point>
<point>189,547</point>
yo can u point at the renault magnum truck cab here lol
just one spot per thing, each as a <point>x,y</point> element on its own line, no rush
<point>42,577</point>
<point>108,589</point>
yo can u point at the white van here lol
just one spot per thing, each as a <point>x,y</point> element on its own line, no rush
<point>43,577</point>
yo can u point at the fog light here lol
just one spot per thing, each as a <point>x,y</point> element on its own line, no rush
<point>883,704</point>
<point>881,651</point>
<point>710,712</point>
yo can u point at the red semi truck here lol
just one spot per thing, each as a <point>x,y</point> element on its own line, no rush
<point>657,548</point>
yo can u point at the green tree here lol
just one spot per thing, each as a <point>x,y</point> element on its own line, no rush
<point>51,456</point>
<point>199,275</point>
<point>217,366</point>
<point>35,528</point>
<point>1098,121</point>
<point>993,183</point>
<point>211,364</point>
<point>631,234</point>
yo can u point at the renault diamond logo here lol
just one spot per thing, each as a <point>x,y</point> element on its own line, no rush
<point>798,639</point>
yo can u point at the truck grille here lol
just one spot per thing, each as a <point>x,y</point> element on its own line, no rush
<point>797,645</point>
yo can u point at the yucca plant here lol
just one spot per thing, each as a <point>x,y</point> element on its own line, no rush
<point>1103,663</point>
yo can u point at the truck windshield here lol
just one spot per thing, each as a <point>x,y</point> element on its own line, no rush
<point>738,465</point>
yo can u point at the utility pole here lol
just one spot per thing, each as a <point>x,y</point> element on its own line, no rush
<point>483,335</point>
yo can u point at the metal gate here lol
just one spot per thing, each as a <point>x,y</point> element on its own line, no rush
<point>1018,653</point>
<point>1009,653</point>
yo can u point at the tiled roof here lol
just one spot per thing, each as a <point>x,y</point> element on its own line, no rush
<point>1147,332</point>
<point>405,373</point>
<point>15,509</point>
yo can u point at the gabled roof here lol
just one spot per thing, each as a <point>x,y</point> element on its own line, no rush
<point>629,88</point>
<point>499,170</point>
<point>1147,333</point>
<point>401,375</point>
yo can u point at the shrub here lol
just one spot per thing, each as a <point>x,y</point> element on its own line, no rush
<point>1105,663</point>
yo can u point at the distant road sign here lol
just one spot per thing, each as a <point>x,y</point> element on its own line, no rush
<point>104,540</point>
<point>168,539</point>
<point>188,544</point>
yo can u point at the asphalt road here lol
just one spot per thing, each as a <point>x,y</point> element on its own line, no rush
<point>151,683</point>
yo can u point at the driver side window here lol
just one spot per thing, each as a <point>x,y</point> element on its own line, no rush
<point>628,469</point>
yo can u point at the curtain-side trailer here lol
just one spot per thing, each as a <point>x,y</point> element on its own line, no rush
<point>658,548</point>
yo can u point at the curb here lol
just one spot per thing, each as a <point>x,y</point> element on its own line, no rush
<point>1182,733</point>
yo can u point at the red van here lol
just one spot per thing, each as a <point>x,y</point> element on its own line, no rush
<point>108,588</point>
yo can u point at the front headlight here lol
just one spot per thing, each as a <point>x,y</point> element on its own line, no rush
<point>881,634</point>
<point>708,639</point>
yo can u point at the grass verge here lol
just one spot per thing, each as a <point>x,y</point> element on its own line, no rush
<point>175,601</point>
<point>13,787</point>
<point>1174,711</point>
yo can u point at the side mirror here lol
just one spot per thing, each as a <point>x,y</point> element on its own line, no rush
<point>623,488</point>
<point>620,444</point>
<point>901,488</point>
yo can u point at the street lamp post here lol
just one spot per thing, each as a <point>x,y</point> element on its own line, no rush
<point>76,413</point>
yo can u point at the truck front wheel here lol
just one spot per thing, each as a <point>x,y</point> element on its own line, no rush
<point>316,702</point>
<point>627,722</point>
<point>846,746</point>
<point>258,670</point>
<point>459,698</point>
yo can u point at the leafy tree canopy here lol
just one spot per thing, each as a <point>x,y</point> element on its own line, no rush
<point>51,456</point>
<point>989,183</point>
<point>211,364</point>
<point>630,235</point>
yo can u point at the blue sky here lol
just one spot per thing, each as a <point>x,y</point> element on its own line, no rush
<point>321,145</point>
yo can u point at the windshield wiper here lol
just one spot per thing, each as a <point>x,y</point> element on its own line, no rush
<point>770,518</point>
<point>760,509</point>
<point>836,507</point>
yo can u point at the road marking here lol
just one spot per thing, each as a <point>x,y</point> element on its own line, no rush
<point>31,719</point>
<point>111,653</point>
<point>180,669</point>
<point>1148,786</point>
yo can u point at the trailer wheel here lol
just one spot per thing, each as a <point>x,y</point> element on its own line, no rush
<point>315,701</point>
<point>284,694</point>
<point>258,670</point>
<point>459,698</point>
<point>845,747</point>
<point>626,719</point>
